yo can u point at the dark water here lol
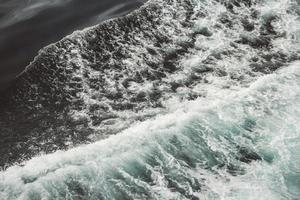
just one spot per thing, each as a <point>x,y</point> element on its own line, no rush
<point>28,25</point>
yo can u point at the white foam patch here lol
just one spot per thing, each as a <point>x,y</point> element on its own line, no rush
<point>272,99</point>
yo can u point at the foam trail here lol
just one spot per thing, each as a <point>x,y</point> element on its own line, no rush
<point>244,146</point>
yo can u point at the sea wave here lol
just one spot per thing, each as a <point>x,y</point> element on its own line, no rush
<point>245,146</point>
<point>107,78</point>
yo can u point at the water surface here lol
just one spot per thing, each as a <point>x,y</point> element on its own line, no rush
<point>28,25</point>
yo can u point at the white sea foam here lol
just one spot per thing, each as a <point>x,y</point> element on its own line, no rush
<point>237,140</point>
<point>272,103</point>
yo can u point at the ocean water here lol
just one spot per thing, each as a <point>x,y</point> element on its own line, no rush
<point>223,125</point>
<point>26,26</point>
<point>244,146</point>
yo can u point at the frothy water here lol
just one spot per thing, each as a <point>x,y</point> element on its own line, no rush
<point>217,118</point>
<point>245,146</point>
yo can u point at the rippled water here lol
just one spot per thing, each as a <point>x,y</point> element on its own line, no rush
<point>28,25</point>
<point>218,118</point>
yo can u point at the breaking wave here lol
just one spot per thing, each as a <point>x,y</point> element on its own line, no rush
<point>181,99</point>
<point>244,146</point>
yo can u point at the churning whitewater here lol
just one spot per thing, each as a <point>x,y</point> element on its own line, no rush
<point>244,146</point>
<point>181,99</point>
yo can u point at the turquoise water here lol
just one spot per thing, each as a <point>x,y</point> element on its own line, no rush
<point>244,146</point>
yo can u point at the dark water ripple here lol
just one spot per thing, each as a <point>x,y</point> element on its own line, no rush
<point>27,26</point>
